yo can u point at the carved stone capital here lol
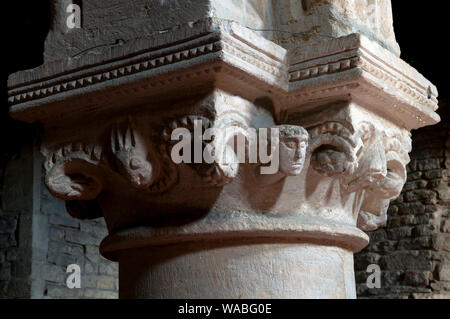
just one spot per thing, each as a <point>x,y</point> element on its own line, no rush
<point>340,167</point>
<point>148,136</point>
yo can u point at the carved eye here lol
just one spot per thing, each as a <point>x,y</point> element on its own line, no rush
<point>135,163</point>
<point>291,144</point>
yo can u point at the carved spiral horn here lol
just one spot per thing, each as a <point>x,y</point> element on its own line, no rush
<point>72,172</point>
<point>333,149</point>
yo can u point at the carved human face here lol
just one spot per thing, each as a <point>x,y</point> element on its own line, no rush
<point>293,146</point>
<point>131,150</point>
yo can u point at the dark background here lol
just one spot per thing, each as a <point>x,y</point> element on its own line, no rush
<point>421,28</point>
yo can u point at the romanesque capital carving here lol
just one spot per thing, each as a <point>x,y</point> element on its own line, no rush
<point>201,140</point>
<point>390,156</point>
<point>333,149</point>
<point>371,162</point>
<point>342,109</point>
<point>72,171</point>
<point>221,164</point>
<point>286,148</point>
<point>293,142</point>
<point>131,155</point>
<point>144,163</point>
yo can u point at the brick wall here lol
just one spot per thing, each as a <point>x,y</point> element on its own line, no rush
<point>39,239</point>
<point>15,264</point>
<point>8,251</point>
<point>413,250</point>
<point>71,241</point>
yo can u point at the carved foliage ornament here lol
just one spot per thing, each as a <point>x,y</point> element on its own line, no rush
<point>368,161</point>
<point>78,172</point>
<point>391,160</point>
<point>364,160</point>
<point>216,171</point>
<point>146,166</point>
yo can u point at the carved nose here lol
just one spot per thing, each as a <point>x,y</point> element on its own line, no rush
<point>297,155</point>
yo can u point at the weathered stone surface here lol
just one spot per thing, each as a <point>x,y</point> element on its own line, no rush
<point>8,224</point>
<point>82,238</point>
<point>444,271</point>
<point>342,108</point>
<point>110,23</point>
<point>225,267</point>
<point>441,242</point>
<point>446,226</point>
<point>33,261</point>
<point>14,266</point>
<point>416,278</point>
<point>334,18</point>
<point>76,242</point>
<point>419,224</point>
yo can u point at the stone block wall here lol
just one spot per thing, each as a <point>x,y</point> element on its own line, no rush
<point>413,249</point>
<point>39,239</point>
<point>8,255</point>
<point>15,216</point>
<point>71,241</point>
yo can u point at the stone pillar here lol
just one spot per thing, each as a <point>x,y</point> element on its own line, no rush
<point>229,224</point>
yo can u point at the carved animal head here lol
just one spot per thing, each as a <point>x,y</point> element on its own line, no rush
<point>132,155</point>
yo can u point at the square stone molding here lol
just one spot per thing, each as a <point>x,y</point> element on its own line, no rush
<point>222,54</point>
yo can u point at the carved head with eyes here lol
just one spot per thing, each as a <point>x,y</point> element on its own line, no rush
<point>131,155</point>
<point>293,145</point>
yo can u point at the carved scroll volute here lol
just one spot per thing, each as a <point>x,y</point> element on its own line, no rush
<point>219,164</point>
<point>225,133</point>
<point>77,172</point>
<point>368,161</point>
<point>371,159</point>
<point>397,148</point>
<point>387,157</point>
<point>73,174</point>
<point>334,149</point>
